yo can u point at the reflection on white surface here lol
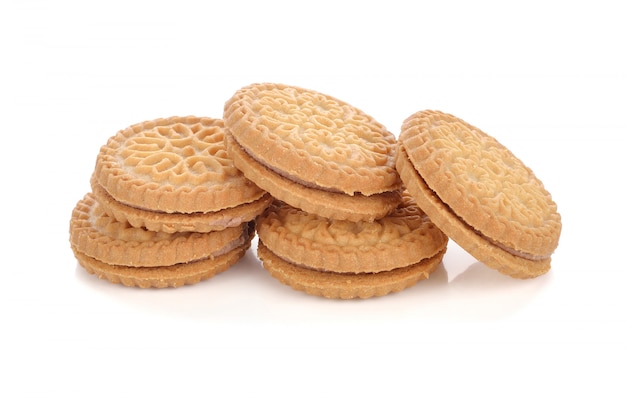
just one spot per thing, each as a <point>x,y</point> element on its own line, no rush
<point>456,260</point>
<point>460,289</point>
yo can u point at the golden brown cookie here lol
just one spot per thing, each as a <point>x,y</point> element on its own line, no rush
<point>324,203</point>
<point>173,165</point>
<point>121,253</point>
<point>161,277</point>
<point>346,285</point>
<point>344,259</point>
<point>479,193</point>
<point>306,148</point>
<point>159,221</point>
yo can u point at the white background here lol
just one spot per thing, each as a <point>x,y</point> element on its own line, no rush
<point>545,78</point>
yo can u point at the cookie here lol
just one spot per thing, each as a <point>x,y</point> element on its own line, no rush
<point>121,253</point>
<point>346,286</point>
<point>345,259</point>
<point>179,222</point>
<point>161,277</point>
<point>478,193</point>
<point>313,151</point>
<point>178,168</point>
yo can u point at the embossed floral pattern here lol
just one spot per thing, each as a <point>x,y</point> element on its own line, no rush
<point>482,182</point>
<point>179,154</point>
<point>313,139</point>
<point>323,127</point>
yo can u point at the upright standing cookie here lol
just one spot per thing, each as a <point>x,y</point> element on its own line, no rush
<point>479,193</point>
<point>313,151</point>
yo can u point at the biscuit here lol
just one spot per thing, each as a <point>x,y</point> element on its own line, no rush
<point>478,193</point>
<point>347,285</point>
<point>324,203</point>
<point>173,165</point>
<point>137,257</point>
<point>345,259</point>
<point>307,149</point>
<point>159,221</point>
<point>161,277</point>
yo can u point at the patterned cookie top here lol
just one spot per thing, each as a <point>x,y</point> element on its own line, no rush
<point>482,182</point>
<point>98,235</point>
<point>405,237</point>
<point>313,139</point>
<point>178,164</point>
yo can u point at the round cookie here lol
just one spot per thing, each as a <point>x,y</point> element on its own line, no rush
<point>104,245</point>
<point>159,221</point>
<point>348,285</point>
<point>478,193</point>
<point>305,148</point>
<point>177,165</point>
<point>344,259</point>
<point>324,203</point>
<point>161,277</point>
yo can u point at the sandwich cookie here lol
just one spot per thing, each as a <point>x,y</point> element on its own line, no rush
<point>174,175</point>
<point>346,259</point>
<point>121,253</point>
<point>478,193</point>
<point>313,151</point>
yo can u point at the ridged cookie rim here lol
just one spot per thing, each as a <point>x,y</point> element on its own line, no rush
<point>324,203</point>
<point>421,240</point>
<point>181,222</point>
<point>151,195</point>
<point>513,231</point>
<point>169,249</point>
<point>347,286</point>
<point>255,136</point>
<point>162,277</point>
<point>464,235</point>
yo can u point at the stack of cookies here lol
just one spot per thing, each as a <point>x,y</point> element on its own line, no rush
<point>167,206</point>
<point>340,226</point>
<point>341,208</point>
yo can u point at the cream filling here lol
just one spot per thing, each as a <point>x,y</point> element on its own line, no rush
<point>217,222</point>
<point>514,252</point>
<point>517,253</point>
<point>232,245</point>
<point>308,267</point>
<point>295,179</point>
<point>197,213</point>
<point>284,174</point>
